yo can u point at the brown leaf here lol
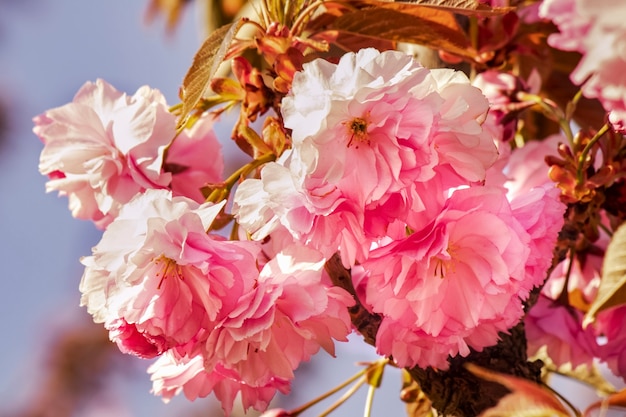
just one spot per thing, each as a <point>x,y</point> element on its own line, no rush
<point>526,397</point>
<point>405,22</point>
<point>352,42</point>
<point>205,64</point>
<point>614,400</point>
<point>612,290</point>
<point>461,4</point>
<point>464,7</point>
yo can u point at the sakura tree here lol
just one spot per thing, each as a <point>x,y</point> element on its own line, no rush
<point>445,178</point>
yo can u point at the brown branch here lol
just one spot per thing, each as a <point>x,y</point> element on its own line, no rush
<point>455,392</point>
<point>366,323</point>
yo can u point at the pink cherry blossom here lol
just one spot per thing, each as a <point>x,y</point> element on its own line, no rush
<point>597,30</point>
<point>171,375</point>
<point>540,212</point>
<point>582,274</point>
<point>611,325</point>
<point>365,131</point>
<point>292,312</point>
<point>156,279</point>
<point>451,285</point>
<point>527,168</point>
<point>195,160</point>
<point>559,328</point>
<point>501,89</point>
<point>573,26</point>
<point>104,148</point>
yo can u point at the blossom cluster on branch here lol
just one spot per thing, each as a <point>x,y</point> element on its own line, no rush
<point>463,205</point>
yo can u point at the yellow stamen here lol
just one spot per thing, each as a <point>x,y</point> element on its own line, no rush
<point>169,268</point>
<point>357,129</point>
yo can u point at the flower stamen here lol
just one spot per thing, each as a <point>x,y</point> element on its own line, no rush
<point>443,265</point>
<point>168,269</point>
<point>440,270</point>
<point>357,129</point>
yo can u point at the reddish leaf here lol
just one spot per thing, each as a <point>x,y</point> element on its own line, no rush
<point>404,22</point>
<point>464,7</point>
<point>526,398</point>
<point>353,42</point>
<point>458,4</point>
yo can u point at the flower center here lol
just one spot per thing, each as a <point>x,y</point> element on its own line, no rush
<point>168,268</point>
<point>445,262</point>
<point>357,129</point>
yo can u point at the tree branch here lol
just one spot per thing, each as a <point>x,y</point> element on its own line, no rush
<point>455,392</point>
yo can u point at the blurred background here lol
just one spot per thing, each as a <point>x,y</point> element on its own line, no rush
<point>55,362</point>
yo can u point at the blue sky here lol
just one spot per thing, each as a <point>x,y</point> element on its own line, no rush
<point>48,49</point>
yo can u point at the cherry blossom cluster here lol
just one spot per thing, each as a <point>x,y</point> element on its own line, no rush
<point>389,167</point>
<point>596,30</point>
<point>224,316</point>
<point>443,215</point>
<point>393,166</point>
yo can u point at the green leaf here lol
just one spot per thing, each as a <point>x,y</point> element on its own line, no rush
<point>406,22</point>
<point>612,290</point>
<point>205,64</point>
<point>526,397</point>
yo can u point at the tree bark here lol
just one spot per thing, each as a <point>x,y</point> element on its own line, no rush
<point>455,392</point>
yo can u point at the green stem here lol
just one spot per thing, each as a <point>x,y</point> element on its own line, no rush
<point>586,150</point>
<point>175,107</point>
<point>219,194</point>
<point>571,107</point>
<point>369,401</point>
<point>552,111</point>
<point>327,394</point>
<point>344,397</point>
